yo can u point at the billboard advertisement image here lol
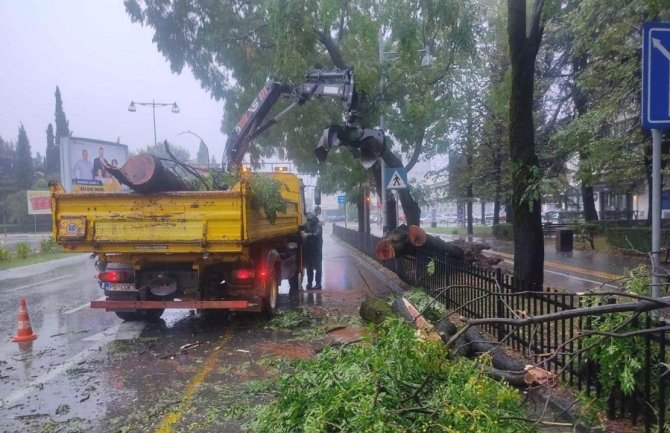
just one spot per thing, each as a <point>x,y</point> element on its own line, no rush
<point>84,164</point>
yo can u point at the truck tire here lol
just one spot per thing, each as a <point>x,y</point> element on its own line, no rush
<point>152,315</point>
<point>128,316</point>
<point>270,297</point>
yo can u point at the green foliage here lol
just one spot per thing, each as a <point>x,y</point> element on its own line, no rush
<point>49,246</point>
<point>587,231</point>
<point>16,207</point>
<point>24,160</point>
<point>52,161</point>
<point>633,238</point>
<point>377,387</point>
<point>265,192</point>
<point>4,255</point>
<point>291,319</point>
<point>503,231</point>
<point>23,250</point>
<point>241,43</point>
<point>264,189</point>
<point>619,360</point>
<point>431,309</point>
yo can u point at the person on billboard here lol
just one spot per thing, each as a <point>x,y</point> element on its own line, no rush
<point>99,163</point>
<point>83,169</point>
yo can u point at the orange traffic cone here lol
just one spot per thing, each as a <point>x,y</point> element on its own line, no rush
<point>24,331</point>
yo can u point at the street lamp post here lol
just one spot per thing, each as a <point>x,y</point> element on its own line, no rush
<point>153,104</point>
<point>188,131</point>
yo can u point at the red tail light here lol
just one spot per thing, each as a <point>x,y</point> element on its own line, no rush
<point>243,274</point>
<point>263,273</point>
<point>114,276</point>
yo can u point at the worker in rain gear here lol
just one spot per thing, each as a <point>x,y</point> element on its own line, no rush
<point>312,250</point>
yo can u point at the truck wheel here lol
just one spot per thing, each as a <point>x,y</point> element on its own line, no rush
<point>270,297</point>
<point>128,316</point>
<point>152,315</point>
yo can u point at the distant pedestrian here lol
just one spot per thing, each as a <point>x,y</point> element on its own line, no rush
<point>312,250</point>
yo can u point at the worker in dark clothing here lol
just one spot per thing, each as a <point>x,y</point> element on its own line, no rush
<point>312,246</point>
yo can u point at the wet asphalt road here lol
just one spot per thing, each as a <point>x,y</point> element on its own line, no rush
<point>89,371</point>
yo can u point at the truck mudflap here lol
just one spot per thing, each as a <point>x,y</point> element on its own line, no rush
<point>112,305</point>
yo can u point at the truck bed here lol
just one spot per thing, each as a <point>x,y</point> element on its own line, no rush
<point>174,222</point>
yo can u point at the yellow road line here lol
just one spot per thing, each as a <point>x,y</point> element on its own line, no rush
<point>174,416</point>
<point>554,265</point>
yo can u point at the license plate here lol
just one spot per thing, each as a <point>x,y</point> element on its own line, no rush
<point>119,287</point>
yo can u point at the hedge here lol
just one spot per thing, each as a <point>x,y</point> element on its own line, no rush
<point>636,238</point>
<point>503,231</point>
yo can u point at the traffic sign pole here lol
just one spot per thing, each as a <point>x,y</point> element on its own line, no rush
<point>656,281</point>
<point>384,192</point>
<point>656,116</point>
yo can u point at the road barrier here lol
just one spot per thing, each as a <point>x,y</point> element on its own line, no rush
<point>556,346</point>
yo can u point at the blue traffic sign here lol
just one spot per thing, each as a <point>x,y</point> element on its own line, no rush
<point>656,76</point>
<point>341,199</point>
<point>395,178</point>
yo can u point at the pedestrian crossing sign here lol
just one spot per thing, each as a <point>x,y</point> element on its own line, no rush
<point>396,178</point>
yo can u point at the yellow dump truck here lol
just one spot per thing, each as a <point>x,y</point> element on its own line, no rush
<point>188,249</point>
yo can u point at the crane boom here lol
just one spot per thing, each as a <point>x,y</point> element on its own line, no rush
<point>335,84</point>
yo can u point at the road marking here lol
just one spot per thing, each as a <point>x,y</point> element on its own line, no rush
<point>586,280</point>
<point>174,416</point>
<point>122,331</point>
<point>75,309</point>
<point>51,280</point>
<point>62,368</point>
<point>584,271</point>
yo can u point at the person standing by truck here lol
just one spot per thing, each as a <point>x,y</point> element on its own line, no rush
<point>313,245</point>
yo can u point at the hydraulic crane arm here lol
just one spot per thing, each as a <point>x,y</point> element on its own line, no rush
<point>336,84</point>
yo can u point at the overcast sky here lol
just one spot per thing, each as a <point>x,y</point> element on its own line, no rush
<point>101,61</point>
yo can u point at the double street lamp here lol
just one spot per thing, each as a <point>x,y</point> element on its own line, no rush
<point>153,104</point>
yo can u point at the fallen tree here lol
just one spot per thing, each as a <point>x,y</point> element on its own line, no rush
<point>411,240</point>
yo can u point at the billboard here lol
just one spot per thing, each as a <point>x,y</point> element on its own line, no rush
<point>39,202</point>
<point>83,163</point>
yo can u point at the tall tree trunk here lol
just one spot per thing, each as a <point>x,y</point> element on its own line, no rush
<point>528,239</point>
<point>483,212</point>
<point>580,100</point>
<point>590,213</point>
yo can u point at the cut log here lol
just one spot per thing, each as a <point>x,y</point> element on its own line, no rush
<point>407,241</point>
<point>146,174</point>
<point>509,368</point>
<point>403,308</point>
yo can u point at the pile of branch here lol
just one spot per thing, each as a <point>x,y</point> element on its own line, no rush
<point>409,241</point>
<point>472,343</point>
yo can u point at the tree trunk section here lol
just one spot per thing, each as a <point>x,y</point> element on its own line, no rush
<point>590,213</point>
<point>146,174</point>
<point>528,239</point>
<point>409,205</point>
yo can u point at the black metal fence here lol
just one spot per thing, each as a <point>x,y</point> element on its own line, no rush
<point>556,346</point>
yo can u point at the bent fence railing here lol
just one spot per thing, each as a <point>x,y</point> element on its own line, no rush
<point>556,346</point>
